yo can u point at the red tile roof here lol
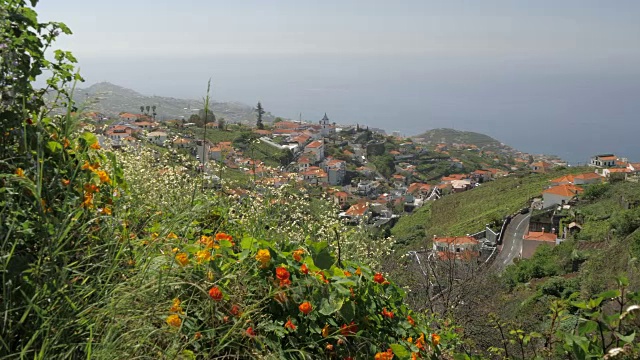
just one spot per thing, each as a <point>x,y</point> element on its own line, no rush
<point>564,190</point>
<point>357,209</point>
<point>456,240</point>
<point>540,236</point>
<point>315,144</point>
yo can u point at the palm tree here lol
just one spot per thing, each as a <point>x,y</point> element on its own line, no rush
<point>142,109</point>
<point>148,107</point>
<point>154,112</point>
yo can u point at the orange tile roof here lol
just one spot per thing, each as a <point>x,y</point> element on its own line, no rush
<point>540,236</point>
<point>619,170</point>
<point>315,144</point>
<point>564,190</point>
<point>357,209</point>
<point>589,175</point>
<point>456,240</point>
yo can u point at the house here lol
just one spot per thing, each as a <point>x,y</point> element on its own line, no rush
<point>303,163</point>
<point>541,167</point>
<point>340,198</point>
<point>622,171</point>
<point>119,132</point>
<point>146,124</point>
<point>603,160</point>
<point>364,188</point>
<point>399,180</point>
<point>315,150</point>
<point>634,167</point>
<point>315,176</point>
<point>452,177</point>
<point>463,248</point>
<point>290,125</point>
<point>482,175</point>
<point>157,137</point>
<point>532,239</point>
<point>580,179</point>
<point>357,212</point>
<point>336,171</point>
<point>461,185</point>
<point>182,143</point>
<point>560,194</point>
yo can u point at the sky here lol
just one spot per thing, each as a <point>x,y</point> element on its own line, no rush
<point>560,77</point>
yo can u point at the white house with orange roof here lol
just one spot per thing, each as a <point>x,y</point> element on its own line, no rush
<point>533,239</point>
<point>559,194</point>
<point>315,176</point>
<point>603,160</point>
<point>579,179</point>
<point>456,248</point>
<point>357,212</point>
<point>315,150</point>
<point>336,171</point>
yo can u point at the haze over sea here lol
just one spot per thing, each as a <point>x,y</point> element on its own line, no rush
<point>561,79</point>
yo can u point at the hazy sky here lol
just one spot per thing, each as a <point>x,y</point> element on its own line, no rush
<point>544,76</point>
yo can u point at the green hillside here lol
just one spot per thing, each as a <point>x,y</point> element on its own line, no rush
<point>468,212</point>
<point>451,136</point>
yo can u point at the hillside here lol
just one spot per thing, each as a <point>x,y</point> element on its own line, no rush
<point>468,212</point>
<point>451,136</point>
<point>110,99</point>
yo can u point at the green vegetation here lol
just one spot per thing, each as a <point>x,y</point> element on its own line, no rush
<point>468,212</point>
<point>450,136</point>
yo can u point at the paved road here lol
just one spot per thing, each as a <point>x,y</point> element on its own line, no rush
<point>512,242</point>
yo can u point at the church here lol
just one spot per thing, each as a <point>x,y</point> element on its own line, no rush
<point>327,128</point>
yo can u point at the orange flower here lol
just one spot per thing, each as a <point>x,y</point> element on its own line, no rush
<point>282,273</point>
<point>20,172</point>
<point>290,325</point>
<point>235,310</point>
<point>223,236</point>
<point>329,347</point>
<point>435,339</point>
<point>215,293</point>
<point>65,182</point>
<point>182,258</point>
<point>346,273</point>
<point>106,210</point>
<point>358,272</point>
<point>203,255</point>
<point>410,320</point>
<point>174,320</point>
<point>88,201</point>
<point>285,283</point>
<point>95,146</point>
<point>91,188</point>
<point>353,294</point>
<point>103,176</point>
<point>305,307</point>
<point>387,355</point>
<point>387,314</point>
<point>175,307</point>
<point>197,335</point>
<point>172,236</point>
<point>87,166</point>
<point>378,278</point>
<point>304,269</point>
<point>415,356</point>
<point>350,329</point>
<point>250,332</point>
<point>325,330</point>
<point>297,255</point>
<point>66,143</point>
<point>420,342</point>
<point>322,277</point>
<point>263,256</point>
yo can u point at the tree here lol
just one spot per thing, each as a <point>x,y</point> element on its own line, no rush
<point>260,112</point>
<point>154,112</point>
<point>277,120</point>
<point>221,123</point>
<point>142,109</point>
<point>147,107</point>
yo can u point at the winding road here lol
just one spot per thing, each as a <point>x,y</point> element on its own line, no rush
<point>512,242</point>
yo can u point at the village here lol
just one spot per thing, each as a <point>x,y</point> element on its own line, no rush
<point>374,178</point>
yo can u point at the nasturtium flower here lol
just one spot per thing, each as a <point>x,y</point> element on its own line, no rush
<point>182,258</point>
<point>435,339</point>
<point>172,236</point>
<point>66,143</point>
<point>95,146</point>
<point>325,330</point>
<point>65,182</point>
<point>388,314</point>
<point>235,310</point>
<point>420,342</point>
<point>282,273</point>
<point>215,293</point>
<point>410,320</point>
<point>250,332</point>
<point>346,273</point>
<point>290,325</point>
<point>106,210</point>
<point>358,271</point>
<point>103,176</point>
<point>91,188</point>
<point>263,256</point>
<point>223,236</point>
<point>378,278</point>
<point>350,329</point>
<point>297,255</point>
<point>175,307</point>
<point>203,255</point>
<point>174,320</point>
<point>88,201</point>
<point>387,355</point>
<point>305,307</point>
<point>304,269</point>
